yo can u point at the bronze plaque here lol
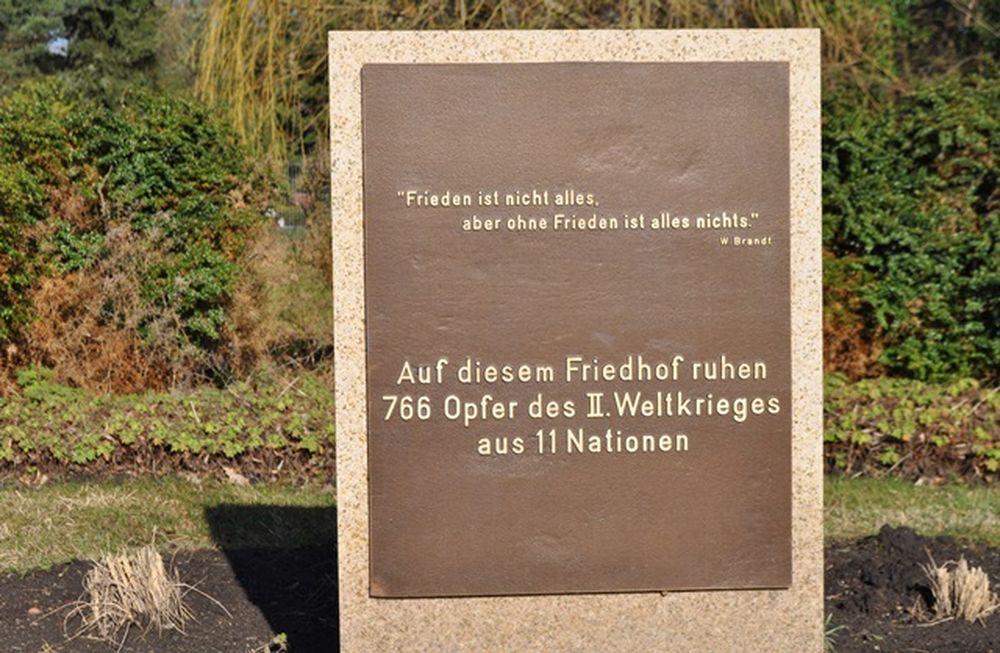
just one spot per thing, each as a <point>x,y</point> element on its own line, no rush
<point>578,327</point>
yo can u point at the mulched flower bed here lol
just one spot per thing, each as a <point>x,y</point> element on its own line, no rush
<point>876,593</point>
<point>265,591</point>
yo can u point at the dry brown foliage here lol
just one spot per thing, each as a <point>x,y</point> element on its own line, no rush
<point>247,341</point>
<point>85,350</point>
<point>95,329</point>
<point>67,204</point>
<point>282,307</point>
<point>281,316</point>
<point>316,182</point>
<point>849,345</point>
<point>87,325</point>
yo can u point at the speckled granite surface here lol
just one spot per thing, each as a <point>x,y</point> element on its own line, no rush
<point>772,620</point>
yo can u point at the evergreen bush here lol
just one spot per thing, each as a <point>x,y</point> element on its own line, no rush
<point>75,170</point>
<point>912,216</point>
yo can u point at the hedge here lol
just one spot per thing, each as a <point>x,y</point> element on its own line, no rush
<point>911,215</point>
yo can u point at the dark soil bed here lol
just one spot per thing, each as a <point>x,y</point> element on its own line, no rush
<point>266,592</point>
<point>876,592</point>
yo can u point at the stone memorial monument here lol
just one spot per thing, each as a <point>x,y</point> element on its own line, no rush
<point>578,351</point>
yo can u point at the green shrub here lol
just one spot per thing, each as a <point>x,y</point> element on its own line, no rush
<point>170,168</point>
<point>263,429</point>
<point>912,429</point>
<point>72,170</point>
<point>912,204</point>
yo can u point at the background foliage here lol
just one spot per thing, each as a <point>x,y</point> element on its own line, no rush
<point>129,221</point>
<point>910,143</point>
<point>912,215</point>
<point>264,65</point>
<point>138,249</point>
<point>111,43</point>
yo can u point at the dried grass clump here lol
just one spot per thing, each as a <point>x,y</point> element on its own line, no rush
<point>131,589</point>
<point>960,591</point>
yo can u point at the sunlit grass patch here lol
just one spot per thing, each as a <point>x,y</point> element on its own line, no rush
<point>59,522</point>
<point>859,507</point>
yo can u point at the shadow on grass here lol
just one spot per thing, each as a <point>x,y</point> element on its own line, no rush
<point>285,558</point>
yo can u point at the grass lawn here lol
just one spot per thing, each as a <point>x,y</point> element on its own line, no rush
<point>59,522</point>
<point>858,507</point>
